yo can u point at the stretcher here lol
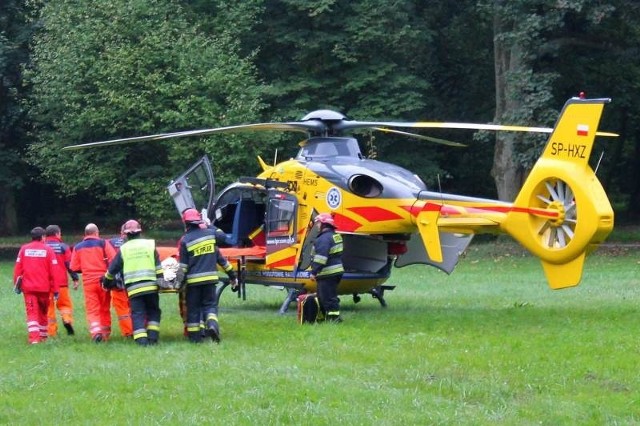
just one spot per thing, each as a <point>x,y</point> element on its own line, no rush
<point>237,256</point>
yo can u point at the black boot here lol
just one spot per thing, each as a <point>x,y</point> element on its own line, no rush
<point>69,327</point>
<point>153,336</point>
<point>213,331</point>
<point>142,341</point>
<point>334,318</point>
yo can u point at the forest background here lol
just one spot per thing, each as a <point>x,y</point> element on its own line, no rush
<point>74,71</point>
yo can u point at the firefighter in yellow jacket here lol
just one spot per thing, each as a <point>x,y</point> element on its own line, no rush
<point>139,262</point>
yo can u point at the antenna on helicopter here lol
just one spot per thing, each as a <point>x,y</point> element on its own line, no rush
<point>599,160</point>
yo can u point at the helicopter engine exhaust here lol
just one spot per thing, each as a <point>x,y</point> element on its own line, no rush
<point>365,186</point>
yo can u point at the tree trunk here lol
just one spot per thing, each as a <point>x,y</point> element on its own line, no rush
<point>507,59</point>
<point>634,197</point>
<point>8,214</point>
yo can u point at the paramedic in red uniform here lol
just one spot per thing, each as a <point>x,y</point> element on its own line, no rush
<point>139,262</point>
<point>199,257</point>
<point>119,298</point>
<point>34,274</point>
<point>64,304</point>
<point>326,267</point>
<point>90,258</point>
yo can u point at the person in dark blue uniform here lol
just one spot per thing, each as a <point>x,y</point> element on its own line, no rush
<point>199,257</point>
<point>326,267</point>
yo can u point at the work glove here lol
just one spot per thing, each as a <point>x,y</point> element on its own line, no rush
<point>106,283</point>
<point>234,284</point>
<point>233,280</point>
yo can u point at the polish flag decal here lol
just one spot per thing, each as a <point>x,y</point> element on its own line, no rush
<point>583,130</point>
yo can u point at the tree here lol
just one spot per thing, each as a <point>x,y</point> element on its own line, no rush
<point>15,35</point>
<point>124,68</point>
<point>529,38</point>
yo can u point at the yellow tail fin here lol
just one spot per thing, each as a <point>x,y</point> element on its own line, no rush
<point>562,211</point>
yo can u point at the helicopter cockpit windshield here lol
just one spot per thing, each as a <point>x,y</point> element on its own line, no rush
<point>329,147</point>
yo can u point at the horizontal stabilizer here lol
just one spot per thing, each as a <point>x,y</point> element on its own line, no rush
<point>566,274</point>
<point>452,246</point>
<point>427,222</point>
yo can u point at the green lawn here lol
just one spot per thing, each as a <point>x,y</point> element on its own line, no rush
<point>489,344</point>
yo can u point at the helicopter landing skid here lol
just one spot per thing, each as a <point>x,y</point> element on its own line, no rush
<point>292,295</point>
<point>378,293</point>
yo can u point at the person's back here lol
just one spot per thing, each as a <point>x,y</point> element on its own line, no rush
<point>33,277</point>
<point>139,263</point>
<point>90,258</point>
<point>35,263</point>
<point>63,256</point>
<point>199,257</point>
<point>64,304</point>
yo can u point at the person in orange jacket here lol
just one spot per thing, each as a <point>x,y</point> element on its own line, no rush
<point>119,298</point>
<point>64,304</point>
<point>90,257</point>
<point>33,276</point>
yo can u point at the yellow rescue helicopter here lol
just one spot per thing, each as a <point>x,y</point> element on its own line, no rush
<point>385,213</point>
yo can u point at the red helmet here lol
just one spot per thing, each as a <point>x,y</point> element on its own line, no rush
<point>191,216</point>
<point>131,227</point>
<point>325,218</point>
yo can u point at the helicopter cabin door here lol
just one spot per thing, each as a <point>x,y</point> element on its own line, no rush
<point>311,233</point>
<point>281,228</point>
<point>194,188</point>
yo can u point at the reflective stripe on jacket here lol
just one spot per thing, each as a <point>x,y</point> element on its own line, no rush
<point>327,254</point>
<point>35,264</point>
<point>139,262</point>
<point>199,255</point>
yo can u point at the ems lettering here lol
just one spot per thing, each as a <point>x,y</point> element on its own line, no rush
<point>571,150</point>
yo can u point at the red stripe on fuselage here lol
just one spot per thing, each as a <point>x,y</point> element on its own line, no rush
<point>345,224</point>
<point>375,214</point>
<point>449,210</point>
<point>289,261</point>
<point>452,211</point>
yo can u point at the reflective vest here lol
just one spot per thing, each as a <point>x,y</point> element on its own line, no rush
<point>139,266</point>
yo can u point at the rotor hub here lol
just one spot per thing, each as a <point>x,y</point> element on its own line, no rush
<point>558,207</point>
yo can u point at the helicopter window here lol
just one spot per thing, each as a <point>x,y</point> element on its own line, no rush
<point>238,211</point>
<point>199,185</point>
<point>330,147</point>
<point>281,217</point>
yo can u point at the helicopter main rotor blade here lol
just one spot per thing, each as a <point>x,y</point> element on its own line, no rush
<point>347,125</point>
<point>303,127</point>
<point>416,136</point>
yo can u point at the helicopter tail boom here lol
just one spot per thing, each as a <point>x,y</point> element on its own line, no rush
<point>567,210</point>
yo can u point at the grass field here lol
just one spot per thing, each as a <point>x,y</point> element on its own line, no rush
<point>490,344</point>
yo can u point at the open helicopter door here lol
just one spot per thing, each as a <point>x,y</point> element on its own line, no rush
<point>194,188</point>
<point>280,228</point>
<point>306,253</point>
